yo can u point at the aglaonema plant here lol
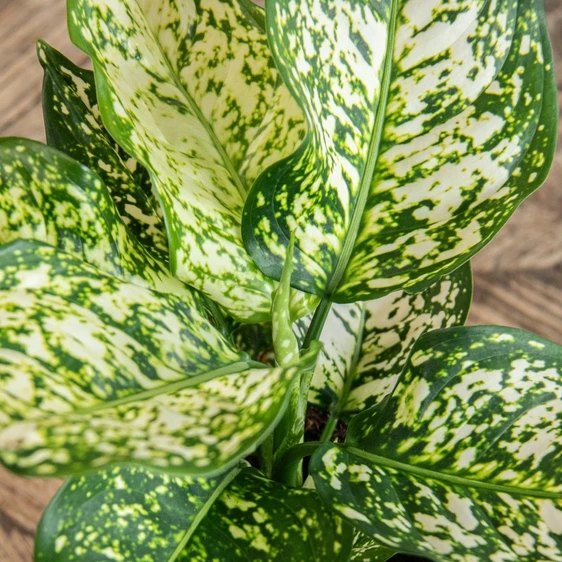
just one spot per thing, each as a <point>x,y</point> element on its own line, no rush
<point>233,284</point>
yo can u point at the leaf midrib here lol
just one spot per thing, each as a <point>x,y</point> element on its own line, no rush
<point>170,388</point>
<point>202,513</point>
<point>370,165</point>
<point>450,478</point>
<point>317,324</point>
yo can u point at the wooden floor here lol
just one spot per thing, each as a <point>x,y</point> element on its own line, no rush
<point>518,276</point>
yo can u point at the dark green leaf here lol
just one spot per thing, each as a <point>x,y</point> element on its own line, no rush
<point>73,125</point>
<point>260,520</point>
<point>462,464</point>
<point>125,513</point>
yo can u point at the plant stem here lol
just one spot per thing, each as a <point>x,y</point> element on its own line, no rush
<point>289,432</point>
<point>315,330</point>
<point>294,424</point>
<point>317,325</point>
<point>329,428</point>
<point>291,461</point>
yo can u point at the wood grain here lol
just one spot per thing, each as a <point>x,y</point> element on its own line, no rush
<point>517,277</point>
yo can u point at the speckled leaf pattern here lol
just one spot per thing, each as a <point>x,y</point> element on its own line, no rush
<point>94,370</point>
<point>125,513</point>
<point>429,122</point>
<point>260,520</point>
<point>73,125</point>
<point>47,196</point>
<point>366,345</point>
<point>462,464</point>
<point>191,91</point>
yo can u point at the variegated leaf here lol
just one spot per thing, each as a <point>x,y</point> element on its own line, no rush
<point>429,122</point>
<point>191,91</point>
<point>144,515</point>
<point>260,520</point>
<point>73,125</point>
<point>47,196</point>
<point>366,345</point>
<point>94,370</point>
<point>125,513</point>
<point>461,465</point>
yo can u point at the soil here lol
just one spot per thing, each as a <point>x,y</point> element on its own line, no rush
<point>316,420</point>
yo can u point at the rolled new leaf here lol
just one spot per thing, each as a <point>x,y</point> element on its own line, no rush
<point>73,125</point>
<point>429,123</point>
<point>194,96</point>
<point>462,463</point>
<point>290,430</point>
<point>285,342</point>
<point>94,370</point>
<point>366,345</point>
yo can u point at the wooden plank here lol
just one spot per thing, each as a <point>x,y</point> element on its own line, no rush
<point>22,501</point>
<point>22,22</point>
<point>517,277</point>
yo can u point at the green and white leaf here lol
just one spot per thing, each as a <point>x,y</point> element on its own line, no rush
<point>47,196</point>
<point>429,123</point>
<point>94,370</point>
<point>125,513</point>
<point>462,464</point>
<point>191,91</point>
<point>73,125</point>
<point>128,512</point>
<point>260,520</point>
<point>366,345</point>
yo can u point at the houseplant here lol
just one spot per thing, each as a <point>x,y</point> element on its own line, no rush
<point>324,171</point>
